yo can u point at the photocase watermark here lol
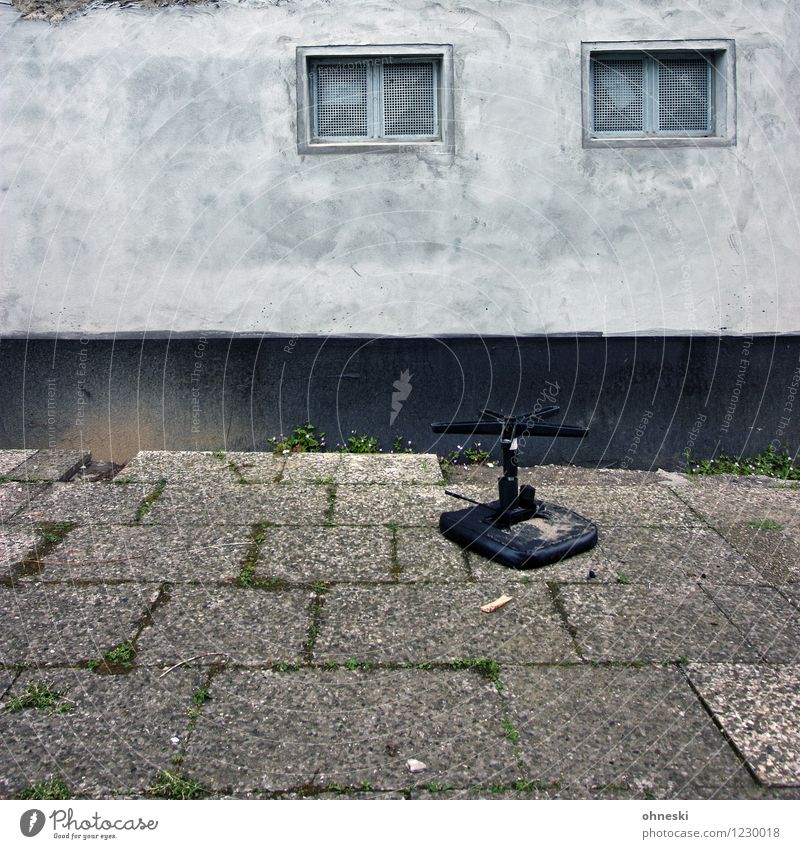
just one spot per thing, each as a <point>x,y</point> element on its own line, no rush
<point>402,389</point>
<point>788,409</point>
<point>638,434</point>
<point>65,825</point>
<point>693,434</point>
<point>194,382</point>
<point>51,412</point>
<point>32,822</point>
<point>80,382</point>
<point>744,365</point>
<point>547,396</point>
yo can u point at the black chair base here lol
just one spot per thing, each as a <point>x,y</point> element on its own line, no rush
<point>550,535</point>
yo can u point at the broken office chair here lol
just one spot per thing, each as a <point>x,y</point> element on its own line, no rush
<point>518,530</point>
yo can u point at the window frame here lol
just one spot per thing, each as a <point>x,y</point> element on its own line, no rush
<point>308,58</point>
<point>720,54</point>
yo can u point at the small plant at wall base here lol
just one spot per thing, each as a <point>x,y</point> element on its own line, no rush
<point>360,443</point>
<point>770,462</point>
<point>402,446</point>
<point>303,438</point>
<point>474,456</point>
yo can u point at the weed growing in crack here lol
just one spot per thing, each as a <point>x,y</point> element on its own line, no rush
<point>170,785</point>
<point>147,502</point>
<point>53,788</point>
<point>39,695</point>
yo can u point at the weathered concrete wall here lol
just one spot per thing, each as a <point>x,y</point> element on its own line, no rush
<point>149,180</point>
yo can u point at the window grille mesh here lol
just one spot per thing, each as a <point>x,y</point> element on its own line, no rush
<point>618,95</point>
<point>341,99</point>
<point>409,99</point>
<point>683,94</point>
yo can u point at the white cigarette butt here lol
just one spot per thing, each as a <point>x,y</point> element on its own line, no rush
<point>496,604</point>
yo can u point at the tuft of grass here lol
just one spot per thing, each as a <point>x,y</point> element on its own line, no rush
<point>623,579</point>
<point>770,462</point>
<point>147,502</point>
<point>303,438</point>
<point>170,785</point>
<point>39,695</point>
<point>352,664</point>
<point>765,525</point>
<point>54,788</point>
<point>435,787</point>
<point>402,446</point>
<point>199,697</point>
<point>510,731</point>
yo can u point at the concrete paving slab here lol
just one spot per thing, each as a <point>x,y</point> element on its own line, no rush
<point>418,622</point>
<point>257,466</point>
<point>773,553</point>
<point>148,553</point>
<point>758,706</point>
<point>15,543</point>
<point>242,504</point>
<point>384,505</point>
<point>765,618</point>
<point>623,506</point>
<point>86,504</point>
<point>113,741</point>
<point>250,626</point>
<point>326,554</point>
<point>792,592</point>
<point>580,476</point>
<point>286,730</point>
<point>11,458</point>
<point>15,497</point>
<point>635,729</point>
<point>201,469</point>
<point>550,474</point>
<point>676,555</point>
<point>651,623</point>
<point>50,464</point>
<point>392,470</point>
<point>7,677</point>
<point>423,554</point>
<point>310,467</point>
<point>68,624</point>
<point>733,504</point>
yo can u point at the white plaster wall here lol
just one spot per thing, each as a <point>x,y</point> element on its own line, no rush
<point>149,179</point>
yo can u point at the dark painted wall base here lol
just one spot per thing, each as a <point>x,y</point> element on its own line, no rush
<point>647,400</point>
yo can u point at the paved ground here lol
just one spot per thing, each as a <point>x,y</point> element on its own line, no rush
<point>332,635</point>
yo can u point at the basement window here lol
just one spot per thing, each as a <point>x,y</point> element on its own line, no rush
<point>374,99</point>
<point>659,94</point>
